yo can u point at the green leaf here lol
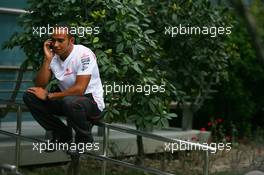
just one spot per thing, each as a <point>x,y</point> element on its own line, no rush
<point>95,40</point>
<point>133,117</point>
<point>149,31</point>
<point>155,119</point>
<point>134,50</point>
<point>108,51</point>
<point>172,115</point>
<point>152,107</point>
<point>112,28</point>
<point>165,122</point>
<point>141,47</point>
<point>136,68</point>
<point>115,111</point>
<point>159,124</point>
<point>138,2</point>
<point>132,26</point>
<point>119,47</point>
<point>154,101</point>
<point>134,17</point>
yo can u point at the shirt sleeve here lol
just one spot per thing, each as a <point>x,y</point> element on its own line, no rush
<point>86,64</point>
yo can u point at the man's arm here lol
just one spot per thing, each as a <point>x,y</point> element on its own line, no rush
<point>44,74</point>
<point>78,88</point>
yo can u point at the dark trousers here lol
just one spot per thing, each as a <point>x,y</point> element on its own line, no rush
<point>78,110</point>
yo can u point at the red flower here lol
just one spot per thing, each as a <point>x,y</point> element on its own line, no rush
<point>219,120</point>
<point>202,129</point>
<point>209,123</point>
<point>194,138</point>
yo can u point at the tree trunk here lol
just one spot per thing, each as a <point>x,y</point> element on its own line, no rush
<point>251,27</point>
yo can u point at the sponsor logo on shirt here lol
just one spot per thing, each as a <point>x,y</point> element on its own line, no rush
<point>68,72</point>
<point>85,62</point>
<point>84,55</point>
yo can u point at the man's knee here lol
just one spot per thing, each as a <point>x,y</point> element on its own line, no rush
<point>28,97</point>
<point>69,101</point>
<point>72,103</point>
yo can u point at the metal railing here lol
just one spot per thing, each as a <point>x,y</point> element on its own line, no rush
<point>12,10</point>
<point>104,157</point>
<point>18,107</point>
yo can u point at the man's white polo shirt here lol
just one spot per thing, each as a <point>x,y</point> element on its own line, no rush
<point>81,61</point>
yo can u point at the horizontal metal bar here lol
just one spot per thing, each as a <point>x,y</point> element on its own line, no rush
<point>9,91</point>
<point>12,10</point>
<point>11,103</point>
<point>13,135</point>
<point>14,81</point>
<point>152,136</point>
<point>9,67</point>
<point>129,165</point>
<point>12,107</point>
<point>3,105</point>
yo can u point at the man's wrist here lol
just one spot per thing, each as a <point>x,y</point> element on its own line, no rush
<point>47,96</point>
<point>47,60</point>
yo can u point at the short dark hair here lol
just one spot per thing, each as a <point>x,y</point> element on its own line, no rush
<point>63,25</point>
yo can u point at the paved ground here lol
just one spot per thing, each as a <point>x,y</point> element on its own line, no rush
<point>255,173</point>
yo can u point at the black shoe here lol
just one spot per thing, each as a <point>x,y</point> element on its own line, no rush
<point>84,139</point>
<point>53,142</point>
<point>57,145</point>
<point>80,144</point>
<point>51,146</point>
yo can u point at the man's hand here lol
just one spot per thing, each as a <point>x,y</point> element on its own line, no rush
<point>48,52</point>
<point>39,92</point>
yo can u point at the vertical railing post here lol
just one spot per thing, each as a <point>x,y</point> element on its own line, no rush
<point>187,117</point>
<point>105,147</point>
<point>18,132</point>
<point>206,163</point>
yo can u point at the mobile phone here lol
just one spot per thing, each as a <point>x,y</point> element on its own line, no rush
<point>51,45</point>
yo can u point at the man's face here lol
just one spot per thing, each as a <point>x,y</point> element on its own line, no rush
<point>61,41</point>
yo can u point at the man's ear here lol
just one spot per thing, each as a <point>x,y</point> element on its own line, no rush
<point>72,39</point>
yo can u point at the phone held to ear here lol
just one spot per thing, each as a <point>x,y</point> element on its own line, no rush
<point>51,46</point>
